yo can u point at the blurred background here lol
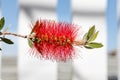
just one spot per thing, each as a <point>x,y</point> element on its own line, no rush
<point>100,64</point>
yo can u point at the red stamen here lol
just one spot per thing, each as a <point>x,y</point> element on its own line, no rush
<point>54,40</point>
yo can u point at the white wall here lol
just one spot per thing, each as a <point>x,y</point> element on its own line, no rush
<point>31,68</point>
<point>118,53</point>
<point>92,64</point>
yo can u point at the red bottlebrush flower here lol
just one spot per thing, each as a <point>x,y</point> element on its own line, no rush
<point>51,40</point>
<point>54,40</point>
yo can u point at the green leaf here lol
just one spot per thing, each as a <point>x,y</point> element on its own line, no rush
<point>91,32</point>
<point>93,37</point>
<point>2,22</point>
<point>95,45</point>
<point>0,49</point>
<point>8,41</point>
<point>85,37</point>
<point>30,43</point>
<point>88,47</point>
<point>6,29</point>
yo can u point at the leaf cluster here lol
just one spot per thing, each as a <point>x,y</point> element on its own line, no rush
<point>89,37</point>
<point>2,37</point>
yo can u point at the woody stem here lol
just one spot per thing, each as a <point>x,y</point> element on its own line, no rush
<point>14,34</point>
<point>78,43</point>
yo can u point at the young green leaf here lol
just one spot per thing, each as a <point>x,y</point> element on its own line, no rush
<point>85,37</point>
<point>95,45</point>
<point>2,22</point>
<point>30,43</point>
<point>93,37</point>
<point>6,29</point>
<point>88,47</point>
<point>91,32</point>
<point>8,41</point>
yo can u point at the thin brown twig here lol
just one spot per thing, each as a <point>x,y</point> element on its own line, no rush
<point>78,43</point>
<point>14,34</point>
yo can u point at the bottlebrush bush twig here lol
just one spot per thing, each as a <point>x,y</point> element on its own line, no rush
<point>54,40</point>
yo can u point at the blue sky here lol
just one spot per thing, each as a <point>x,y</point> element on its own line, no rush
<point>10,12</point>
<point>111,16</point>
<point>64,11</point>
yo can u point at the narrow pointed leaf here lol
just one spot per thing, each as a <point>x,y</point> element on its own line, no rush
<point>88,47</point>
<point>6,29</point>
<point>8,41</point>
<point>95,45</point>
<point>2,22</point>
<point>91,32</point>
<point>85,37</point>
<point>93,37</point>
<point>30,43</point>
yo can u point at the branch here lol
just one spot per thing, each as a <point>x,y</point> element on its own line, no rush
<point>14,34</point>
<point>78,43</point>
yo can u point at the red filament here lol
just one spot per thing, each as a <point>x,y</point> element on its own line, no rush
<point>54,40</point>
